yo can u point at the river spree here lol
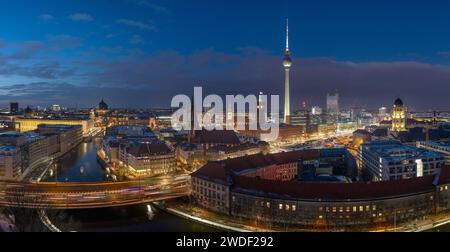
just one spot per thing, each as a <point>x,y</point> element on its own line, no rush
<point>80,165</point>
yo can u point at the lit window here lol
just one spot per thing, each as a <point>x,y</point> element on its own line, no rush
<point>355,209</point>
<point>361,208</point>
<point>446,188</point>
<point>280,206</point>
<point>334,209</point>
<point>294,207</point>
<point>320,217</point>
<point>374,208</point>
<point>367,208</point>
<point>287,207</point>
<point>341,209</point>
<point>268,204</point>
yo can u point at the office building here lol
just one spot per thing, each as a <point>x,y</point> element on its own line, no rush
<point>393,160</point>
<point>333,103</point>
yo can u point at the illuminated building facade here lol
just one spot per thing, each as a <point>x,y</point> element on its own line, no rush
<point>29,124</point>
<point>10,168</point>
<point>223,187</point>
<point>147,159</point>
<point>398,116</point>
<point>333,103</point>
<point>392,160</point>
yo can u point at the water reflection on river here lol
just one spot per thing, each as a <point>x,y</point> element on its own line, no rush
<point>80,165</point>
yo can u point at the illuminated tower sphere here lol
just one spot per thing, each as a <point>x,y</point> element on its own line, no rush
<point>287,64</point>
<point>398,116</point>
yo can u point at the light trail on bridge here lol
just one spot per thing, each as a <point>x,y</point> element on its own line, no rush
<point>57,195</point>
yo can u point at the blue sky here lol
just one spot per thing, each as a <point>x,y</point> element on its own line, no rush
<point>140,53</point>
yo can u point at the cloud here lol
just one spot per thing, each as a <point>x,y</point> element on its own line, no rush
<point>81,17</point>
<point>155,7</point>
<point>134,78</point>
<point>111,35</point>
<point>64,41</point>
<point>136,40</point>
<point>444,54</point>
<point>46,17</point>
<point>137,24</point>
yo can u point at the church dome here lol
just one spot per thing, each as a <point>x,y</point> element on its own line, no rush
<point>398,102</point>
<point>102,105</point>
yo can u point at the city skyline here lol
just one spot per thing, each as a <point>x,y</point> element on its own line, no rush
<point>207,116</point>
<point>76,54</point>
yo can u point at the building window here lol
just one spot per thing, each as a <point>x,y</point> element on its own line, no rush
<point>320,217</point>
<point>374,208</point>
<point>361,208</point>
<point>294,208</point>
<point>287,207</point>
<point>334,209</point>
<point>268,204</point>
<point>355,209</point>
<point>347,209</point>
<point>280,206</point>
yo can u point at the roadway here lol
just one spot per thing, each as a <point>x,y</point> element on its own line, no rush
<point>44,195</point>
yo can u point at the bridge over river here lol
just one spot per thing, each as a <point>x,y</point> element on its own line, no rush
<point>60,195</point>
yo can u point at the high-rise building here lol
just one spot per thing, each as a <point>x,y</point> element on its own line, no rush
<point>316,110</point>
<point>398,116</point>
<point>382,113</point>
<point>393,160</point>
<point>13,107</point>
<point>287,64</point>
<point>56,108</point>
<point>333,103</point>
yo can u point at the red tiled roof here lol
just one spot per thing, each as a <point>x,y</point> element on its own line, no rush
<point>212,171</point>
<point>218,171</point>
<point>261,160</point>
<point>362,132</point>
<point>149,149</point>
<point>216,137</point>
<point>333,191</point>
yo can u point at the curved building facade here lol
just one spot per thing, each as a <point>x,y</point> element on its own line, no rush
<point>230,187</point>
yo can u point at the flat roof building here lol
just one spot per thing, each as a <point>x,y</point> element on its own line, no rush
<point>393,160</point>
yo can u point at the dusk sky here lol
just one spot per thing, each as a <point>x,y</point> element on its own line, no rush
<point>140,53</point>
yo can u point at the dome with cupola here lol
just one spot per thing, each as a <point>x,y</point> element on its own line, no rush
<point>398,102</point>
<point>102,105</point>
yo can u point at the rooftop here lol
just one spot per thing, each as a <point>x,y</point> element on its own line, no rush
<point>397,151</point>
<point>216,136</point>
<point>149,149</point>
<point>224,172</point>
<point>333,191</point>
